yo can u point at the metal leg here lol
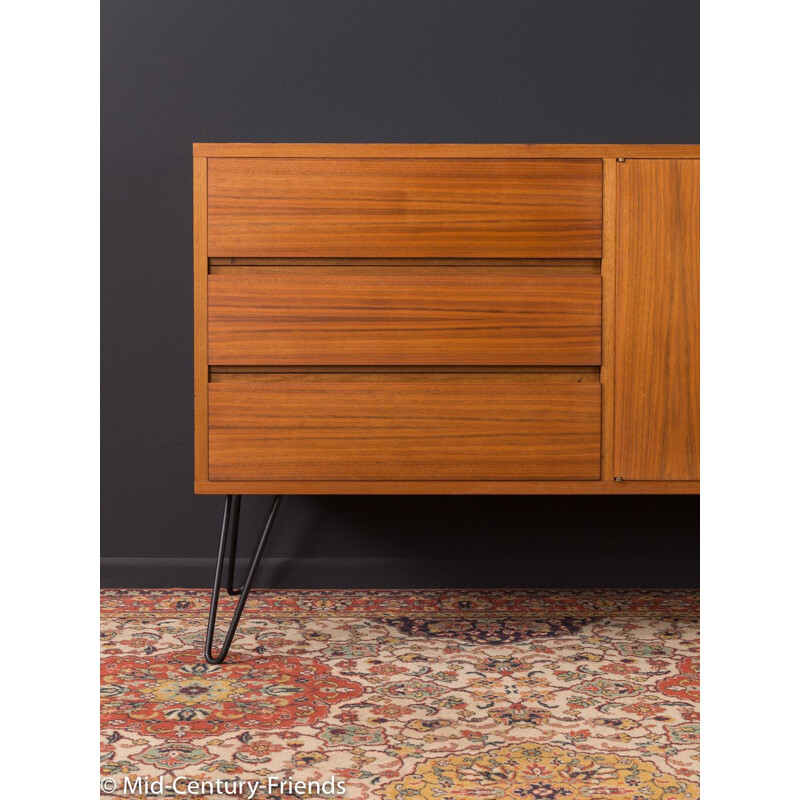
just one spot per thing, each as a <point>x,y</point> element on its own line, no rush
<point>234,534</point>
<point>230,527</point>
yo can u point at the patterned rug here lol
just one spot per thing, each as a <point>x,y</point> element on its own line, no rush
<point>404,694</point>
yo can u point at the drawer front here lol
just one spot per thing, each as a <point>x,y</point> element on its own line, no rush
<point>403,427</point>
<point>416,316</point>
<point>404,207</point>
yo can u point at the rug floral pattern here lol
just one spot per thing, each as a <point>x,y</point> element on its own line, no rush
<point>411,694</point>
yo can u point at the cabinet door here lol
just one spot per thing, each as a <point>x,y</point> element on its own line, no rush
<point>657,390</point>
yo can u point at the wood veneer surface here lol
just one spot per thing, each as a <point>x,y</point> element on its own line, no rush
<point>382,296</point>
<point>403,427</point>
<point>411,207</point>
<point>657,354</point>
<point>372,315</point>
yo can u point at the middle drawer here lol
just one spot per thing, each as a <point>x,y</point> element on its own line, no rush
<point>482,316</point>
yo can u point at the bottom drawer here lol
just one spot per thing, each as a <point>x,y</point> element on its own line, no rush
<point>403,427</point>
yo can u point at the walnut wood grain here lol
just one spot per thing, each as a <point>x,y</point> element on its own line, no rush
<point>404,207</point>
<point>423,316</point>
<point>402,427</point>
<point>657,354</point>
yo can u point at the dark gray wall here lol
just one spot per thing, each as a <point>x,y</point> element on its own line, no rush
<point>319,71</point>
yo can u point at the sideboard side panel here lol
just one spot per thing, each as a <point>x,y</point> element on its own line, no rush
<point>657,352</point>
<point>200,319</point>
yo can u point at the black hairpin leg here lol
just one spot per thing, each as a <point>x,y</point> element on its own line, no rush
<point>230,527</point>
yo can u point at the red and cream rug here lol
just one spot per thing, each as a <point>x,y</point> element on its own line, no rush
<point>404,694</point>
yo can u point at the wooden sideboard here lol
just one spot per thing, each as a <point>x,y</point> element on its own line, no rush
<point>446,319</point>
<point>442,319</point>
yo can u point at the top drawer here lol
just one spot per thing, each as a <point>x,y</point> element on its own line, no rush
<point>404,208</point>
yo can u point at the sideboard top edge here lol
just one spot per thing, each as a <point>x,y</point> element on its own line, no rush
<point>388,150</point>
